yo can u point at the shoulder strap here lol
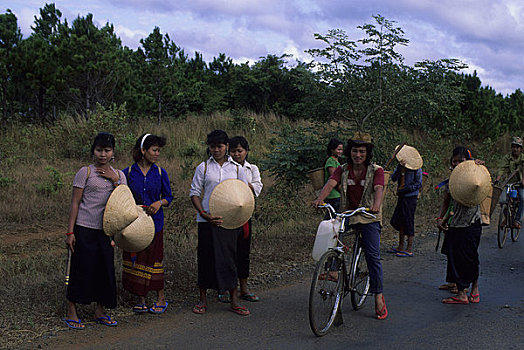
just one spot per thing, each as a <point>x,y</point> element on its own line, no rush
<point>88,173</point>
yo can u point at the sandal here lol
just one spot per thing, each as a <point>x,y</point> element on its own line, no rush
<point>74,324</point>
<point>158,309</point>
<point>240,310</point>
<point>140,308</point>
<point>199,309</point>
<point>250,297</point>
<point>454,300</point>
<point>382,314</point>
<point>475,299</point>
<point>106,321</point>
<point>224,298</point>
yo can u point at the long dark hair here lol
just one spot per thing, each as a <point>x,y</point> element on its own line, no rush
<point>150,141</point>
<point>460,151</point>
<point>333,144</point>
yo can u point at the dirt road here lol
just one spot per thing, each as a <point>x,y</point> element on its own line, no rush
<point>418,320</point>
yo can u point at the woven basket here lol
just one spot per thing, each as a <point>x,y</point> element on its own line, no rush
<point>316,176</point>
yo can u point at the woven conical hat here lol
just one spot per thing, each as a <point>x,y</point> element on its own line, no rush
<point>232,200</point>
<point>138,235</point>
<point>410,156</point>
<point>120,210</point>
<point>469,183</point>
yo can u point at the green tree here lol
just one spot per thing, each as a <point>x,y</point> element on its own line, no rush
<point>10,37</point>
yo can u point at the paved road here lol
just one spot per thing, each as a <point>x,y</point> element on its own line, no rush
<point>418,320</point>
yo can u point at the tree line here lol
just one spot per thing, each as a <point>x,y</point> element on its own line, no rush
<point>74,68</point>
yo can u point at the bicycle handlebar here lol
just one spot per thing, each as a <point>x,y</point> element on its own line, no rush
<point>348,213</point>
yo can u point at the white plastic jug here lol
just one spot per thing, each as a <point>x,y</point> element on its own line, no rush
<point>326,237</point>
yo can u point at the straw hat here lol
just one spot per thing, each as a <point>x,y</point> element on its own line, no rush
<point>120,210</point>
<point>410,156</point>
<point>232,200</point>
<point>138,235</point>
<point>469,183</point>
<point>362,138</point>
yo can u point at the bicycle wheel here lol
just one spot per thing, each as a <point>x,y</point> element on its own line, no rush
<point>359,278</point>
<point>503,225</point>
<point>325,296</point>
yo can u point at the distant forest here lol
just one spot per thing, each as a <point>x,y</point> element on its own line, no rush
<point>73,69</point>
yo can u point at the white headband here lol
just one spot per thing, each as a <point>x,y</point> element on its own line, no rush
<point>143,139</point>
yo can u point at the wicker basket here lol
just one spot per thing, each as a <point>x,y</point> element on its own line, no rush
<point>316,176</point>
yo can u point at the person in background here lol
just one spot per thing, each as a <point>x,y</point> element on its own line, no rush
<point>217,246</point>
<point>335,149</point>
<point>362,186</point>
<point>92,273</point>
<point>144,271</point>
<point>512,162</point>
<point>408,174</point>
<point>239,149</point>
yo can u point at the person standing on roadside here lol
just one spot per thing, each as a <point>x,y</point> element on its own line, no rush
<point>462,240</point>
<point>92,273</point>
<point>408,174</point>
<point>335,149</point>
<point>362,185</point>
<point>216,251</point>
<point>144,271</point>
<point>512,162</point>
<point>239,147</point>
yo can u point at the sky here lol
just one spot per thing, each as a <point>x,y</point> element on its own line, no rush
<point>487,35</point>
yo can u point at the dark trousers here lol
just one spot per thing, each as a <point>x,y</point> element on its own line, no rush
<point>371,243</point>
<point>243,251</point>
<point>463,256</point>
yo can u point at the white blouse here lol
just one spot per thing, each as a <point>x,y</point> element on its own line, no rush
<point>214,174</point>
<point>253,177</point>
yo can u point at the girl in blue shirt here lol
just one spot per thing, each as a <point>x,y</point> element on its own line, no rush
<point>144,271</point>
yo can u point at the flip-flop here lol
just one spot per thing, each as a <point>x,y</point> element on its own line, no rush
<point>161,307</point>
<point>454,300</point>
<point>475,299</point>
<point>224,298</point>
<point>106,321</point>
<point>240,310</point>
<point>199,309</point>
<point>402,254</point>
<point>140,308</point>
<point>250,297</point>
<point>74,324</point>
<point>382,314</point>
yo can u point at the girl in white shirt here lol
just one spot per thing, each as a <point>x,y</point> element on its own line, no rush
<point>216,252</point>
<point>239,150</point>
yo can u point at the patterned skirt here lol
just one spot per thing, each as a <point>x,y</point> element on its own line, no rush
<point>146,272</point>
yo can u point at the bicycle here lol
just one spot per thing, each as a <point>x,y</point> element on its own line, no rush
<point>331,281</point>
<point>508,211</point>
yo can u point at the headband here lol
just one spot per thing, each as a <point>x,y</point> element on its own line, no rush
<point>143,139</point>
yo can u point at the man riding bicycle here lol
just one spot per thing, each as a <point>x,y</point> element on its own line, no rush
<point>512,162</point>
<point>362,184</point>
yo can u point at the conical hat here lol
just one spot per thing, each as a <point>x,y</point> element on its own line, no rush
<point>469,183</point>
<point>138,235</point>
<point>232,200</point>
<point>120,210</point>
<point>410,156</point>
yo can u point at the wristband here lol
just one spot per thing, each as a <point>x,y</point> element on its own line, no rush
<point>69,233</point>
<point>201,212</point>
<point>440,218</point>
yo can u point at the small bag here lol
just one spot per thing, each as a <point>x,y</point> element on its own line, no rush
<point>326,238</point>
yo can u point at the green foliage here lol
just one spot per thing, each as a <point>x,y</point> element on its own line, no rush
<point>190,154</point>
<point>52,184</point>
<point>6,181</point>
<point>242,120</point>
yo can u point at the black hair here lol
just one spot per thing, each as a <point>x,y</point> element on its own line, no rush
<point>217,137</point>
<point>351,144</point>
<point>239,140</point>
<point>333,144</point>
<point>460,151</point>
<point>150,141</point>
<point>103,139</point>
